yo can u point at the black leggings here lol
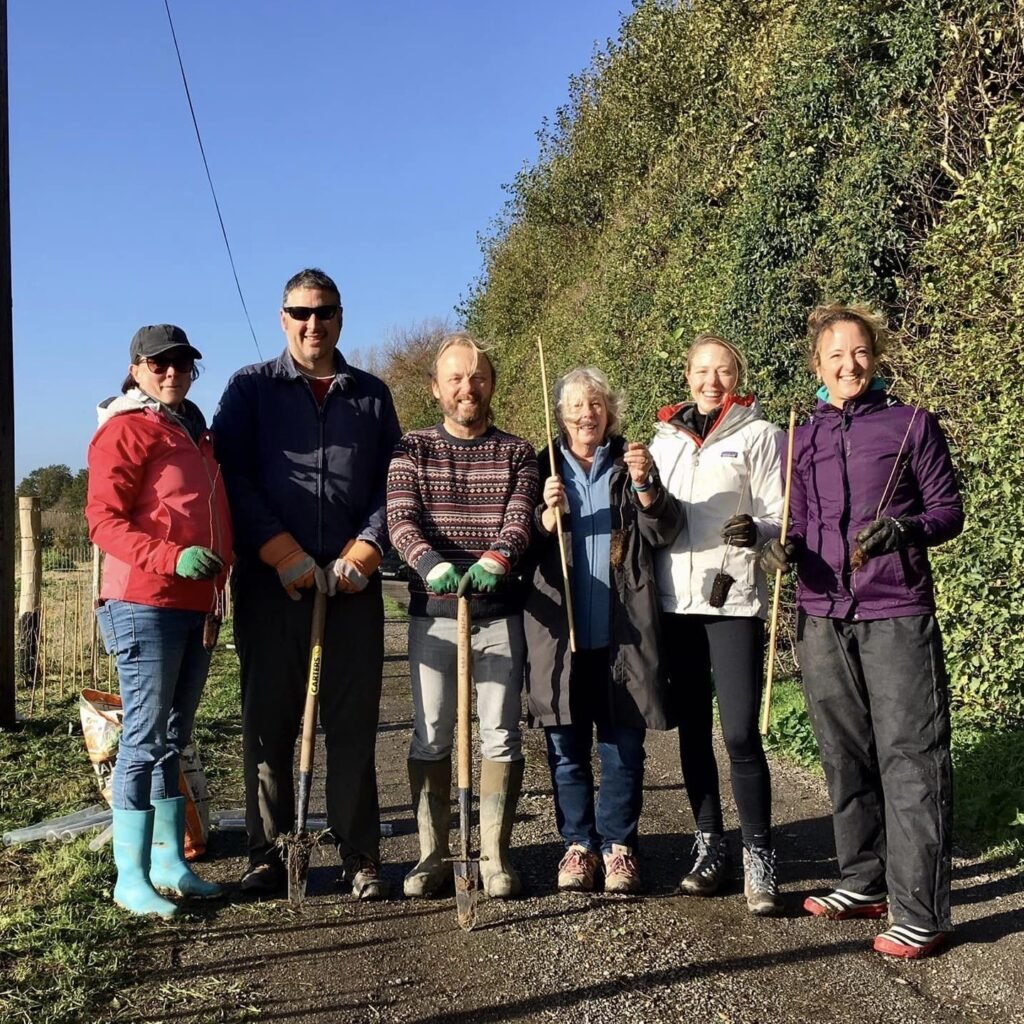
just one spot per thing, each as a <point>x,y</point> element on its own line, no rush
<point>732,648</point>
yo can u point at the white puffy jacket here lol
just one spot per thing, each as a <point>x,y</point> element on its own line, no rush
<point>736,469</point>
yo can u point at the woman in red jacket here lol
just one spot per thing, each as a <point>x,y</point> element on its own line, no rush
<point>157,508</point>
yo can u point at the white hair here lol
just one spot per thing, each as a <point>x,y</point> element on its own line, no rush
<point>590,380</point>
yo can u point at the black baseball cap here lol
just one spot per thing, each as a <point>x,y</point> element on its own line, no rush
<point>151,341</point>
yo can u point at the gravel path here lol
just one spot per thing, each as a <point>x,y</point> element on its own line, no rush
<point>588,959</point>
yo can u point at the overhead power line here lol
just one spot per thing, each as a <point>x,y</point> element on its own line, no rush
<point>209,177</point>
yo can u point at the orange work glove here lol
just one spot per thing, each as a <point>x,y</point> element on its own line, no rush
<point>295,569</point>
<point>351,571</point>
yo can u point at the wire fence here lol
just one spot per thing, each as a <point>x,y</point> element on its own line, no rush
<point>57,647</point>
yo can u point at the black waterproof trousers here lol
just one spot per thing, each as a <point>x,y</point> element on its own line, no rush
<point>877,695</point>
<point>272,635</point>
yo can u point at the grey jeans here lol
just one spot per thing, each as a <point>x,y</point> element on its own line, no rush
<point>498,650</point>
<point>877,695</point>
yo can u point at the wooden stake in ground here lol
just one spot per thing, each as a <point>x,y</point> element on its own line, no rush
<point>558,511</point>
<point>41,652</point>
<point>94,633</point>
<point>29,518</point>
<point>773,631</point>
<point>63,631</point>
<point>76,665</point>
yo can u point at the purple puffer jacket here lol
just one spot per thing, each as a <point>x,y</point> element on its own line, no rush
<point>843,470</point>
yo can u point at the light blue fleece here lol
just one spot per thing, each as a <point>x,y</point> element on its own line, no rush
<point>590,518</point>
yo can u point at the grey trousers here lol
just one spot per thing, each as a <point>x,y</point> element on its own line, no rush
<point>272,637</point>
<point>498,654</point>
<point>877,695</point>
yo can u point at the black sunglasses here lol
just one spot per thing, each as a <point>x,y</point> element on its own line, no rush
<point>161,364</point>
<point>303,313</point>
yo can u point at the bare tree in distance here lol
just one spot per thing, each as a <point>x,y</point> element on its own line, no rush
<point>404,362</point>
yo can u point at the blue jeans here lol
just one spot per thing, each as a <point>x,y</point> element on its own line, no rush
<point>162,667</point>
<point>620,796</point>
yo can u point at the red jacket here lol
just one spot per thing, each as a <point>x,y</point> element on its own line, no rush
<point>153,492</point>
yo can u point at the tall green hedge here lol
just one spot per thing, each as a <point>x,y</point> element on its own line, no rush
<point>724,166</point>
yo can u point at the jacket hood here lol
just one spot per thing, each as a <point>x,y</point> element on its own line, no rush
<point>133,401</point>
<point>136,400</point>
<point>736,413</point>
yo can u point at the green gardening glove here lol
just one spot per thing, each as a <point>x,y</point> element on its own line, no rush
<point>198,563</point>
<point>443,578</point>
<point>484,575</point>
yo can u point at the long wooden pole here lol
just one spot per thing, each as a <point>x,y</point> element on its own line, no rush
<point>558,511</point>
<point>8,711</point>
<point>773,632</point>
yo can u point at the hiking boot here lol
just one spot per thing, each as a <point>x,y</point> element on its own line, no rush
<point>430,783</point>
<point>908,941</point>
<point>500,784</point>
<point>759,885</point>
<point>712,866</point>
<point>363,874</point>
<point>621,871</point>
<point>577,869</point>
<point>844,905</point>
<point>267,878</point>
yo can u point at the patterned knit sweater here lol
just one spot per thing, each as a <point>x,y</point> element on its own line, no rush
<point>451,499</point>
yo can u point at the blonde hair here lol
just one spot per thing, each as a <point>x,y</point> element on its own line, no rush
<point>590,380</point>
<point>823,318</point>
<point>463,339</point>
<point>702,340</point>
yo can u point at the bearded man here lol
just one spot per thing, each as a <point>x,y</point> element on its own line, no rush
<point>460,502</point>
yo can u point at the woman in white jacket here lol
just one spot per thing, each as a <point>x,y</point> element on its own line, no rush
<point>722,460</point>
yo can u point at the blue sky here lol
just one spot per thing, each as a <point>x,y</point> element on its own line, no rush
<point>369,139</point>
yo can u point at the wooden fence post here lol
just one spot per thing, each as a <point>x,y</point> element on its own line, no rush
<point>97,555</point>
<point>30,521</point>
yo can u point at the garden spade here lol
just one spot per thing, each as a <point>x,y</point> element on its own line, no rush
<point>467,867</point>
<point>299,844</point>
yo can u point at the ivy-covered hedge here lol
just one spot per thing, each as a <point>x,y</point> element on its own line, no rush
<point>724,166</point>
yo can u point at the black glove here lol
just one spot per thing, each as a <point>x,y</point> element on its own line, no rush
<point>779,557</point>
<point>884,536</point>
<point>741,531</point>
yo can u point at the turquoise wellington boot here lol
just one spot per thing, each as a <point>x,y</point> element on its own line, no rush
<point>169,870</point>
<point>133,835</point>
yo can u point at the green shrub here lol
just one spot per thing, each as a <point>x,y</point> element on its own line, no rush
<point>726,166</point>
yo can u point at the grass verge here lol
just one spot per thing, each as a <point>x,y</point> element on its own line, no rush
<point>66,951</point>
<point>988,790</point>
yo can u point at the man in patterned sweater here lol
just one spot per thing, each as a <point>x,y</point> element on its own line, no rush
<point>460,501</point>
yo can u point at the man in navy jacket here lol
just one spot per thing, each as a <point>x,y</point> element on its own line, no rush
<point>304,442</point>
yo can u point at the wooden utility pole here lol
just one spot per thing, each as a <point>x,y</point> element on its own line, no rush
<point>8,715</point>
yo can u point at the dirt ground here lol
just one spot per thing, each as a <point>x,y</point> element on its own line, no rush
<point>573,958</point>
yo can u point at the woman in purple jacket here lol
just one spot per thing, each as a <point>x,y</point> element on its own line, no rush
<point>873,489</point>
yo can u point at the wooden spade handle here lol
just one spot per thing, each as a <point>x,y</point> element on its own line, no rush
<point>465,696</point>
<point>773,629</point>
<point>316,656</point>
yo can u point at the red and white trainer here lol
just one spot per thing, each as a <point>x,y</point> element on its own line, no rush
<point>621,871</point>
<point>843,905</point>
<point>577,869</point>
<point>908,941</point>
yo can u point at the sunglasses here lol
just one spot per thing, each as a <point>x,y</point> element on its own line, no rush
<point>303,313</point>
<point>161,364</point>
